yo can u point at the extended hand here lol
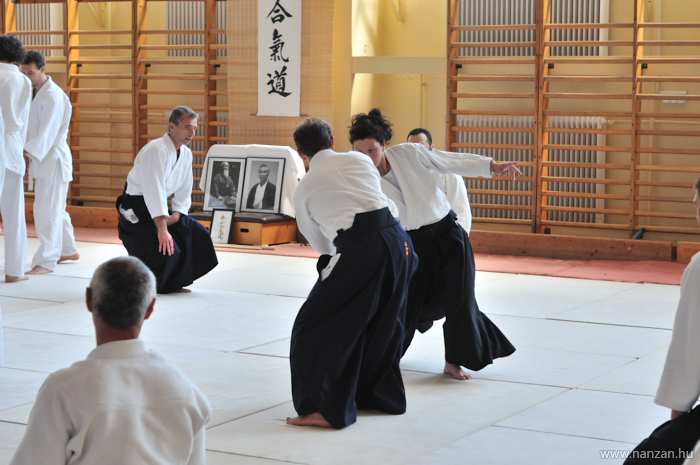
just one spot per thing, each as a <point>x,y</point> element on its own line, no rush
<point>507,168</point>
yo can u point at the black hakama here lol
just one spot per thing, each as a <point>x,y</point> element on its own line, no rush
<point>669,444</point>
<point>347,338</point>
<point>443,287</point>
<point>193,252</point>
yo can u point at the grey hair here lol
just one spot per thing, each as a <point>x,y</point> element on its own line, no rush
<point>178,112</point>
<point>122,289</point>
<point>697,184</point>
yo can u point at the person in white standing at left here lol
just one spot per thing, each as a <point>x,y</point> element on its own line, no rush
<point>50,163</point>
<point>15,100</point>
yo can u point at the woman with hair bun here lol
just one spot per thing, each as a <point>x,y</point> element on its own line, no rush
<point>443,285</point>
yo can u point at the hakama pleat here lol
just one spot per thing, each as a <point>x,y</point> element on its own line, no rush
<point>443,287</point>
<point>193,252</point>
<point>347,338</point>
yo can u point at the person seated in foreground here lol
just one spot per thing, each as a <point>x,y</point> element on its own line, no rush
<point>124,404</point>
<point>679,388</point>
<point>347,339</point>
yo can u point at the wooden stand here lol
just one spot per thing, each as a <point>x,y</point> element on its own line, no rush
<point>257,228</point>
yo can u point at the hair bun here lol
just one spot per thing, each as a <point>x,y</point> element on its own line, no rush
<point>376,113</point>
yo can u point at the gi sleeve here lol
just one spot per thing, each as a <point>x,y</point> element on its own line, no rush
<point>201,416</point>
<point>2,138</point>
<point>50,118</point>
<point>182,200</point>
<point>464,164</point>
<point>153,161</point>
<point>308,227</point>
<point>48,429</point>
<point>680,381</point>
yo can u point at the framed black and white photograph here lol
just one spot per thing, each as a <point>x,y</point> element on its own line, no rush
<point>224,183</point>
<point>221,225</point>
<point>262,187</point>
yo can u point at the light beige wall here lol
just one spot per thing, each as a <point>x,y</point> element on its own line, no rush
<point>407,100</point>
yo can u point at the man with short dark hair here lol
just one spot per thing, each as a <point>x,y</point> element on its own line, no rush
<point>123,404</point>
<point>347,339</point>
<point>452,185</point>
<point>262,195</point>
<point>15,101</point>
<point>51,164</point>
<point>175,247</point>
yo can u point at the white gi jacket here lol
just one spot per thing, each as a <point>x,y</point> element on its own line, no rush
<point>123,404</point>
<point>336,188</point>
<point>452,185</point>
<point>158,173</point>
<point>680,382</point>
<point>416,194</point>
<point>47,134</point>
<point>15,99</point>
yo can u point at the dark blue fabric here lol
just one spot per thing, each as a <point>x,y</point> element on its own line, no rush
<point>347,338</point>
<point>194,254</point>
<point>443,287</point>
<point>669,444</point>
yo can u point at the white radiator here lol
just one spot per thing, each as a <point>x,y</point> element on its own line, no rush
<point>514,12</point>
<point>190,15</point>
<point>41,17</point>
<point>522,155</point>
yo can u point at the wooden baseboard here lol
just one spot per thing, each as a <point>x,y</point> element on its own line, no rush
<point>686,250</point>
<point>491,242</point>
<point>569,247</point>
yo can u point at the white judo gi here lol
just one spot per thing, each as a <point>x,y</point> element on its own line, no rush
<point>123,404</point>
<point>680,382</point>
<point>51,165</point>
<point>15,101</point>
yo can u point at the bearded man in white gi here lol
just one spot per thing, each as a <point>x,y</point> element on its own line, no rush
<point>175,247</point>
<point>50,162</point>
<point>15,100</point>
<point>124,404</point>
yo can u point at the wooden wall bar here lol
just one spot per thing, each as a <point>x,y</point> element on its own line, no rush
<point>122,82</point>
<point>648,159</point>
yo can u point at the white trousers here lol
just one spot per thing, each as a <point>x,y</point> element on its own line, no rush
<point>12,209</point>
<point>52,222</point>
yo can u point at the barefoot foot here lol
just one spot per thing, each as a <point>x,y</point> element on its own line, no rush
<point>456,372</point>
<point>39,270</point>
<point>14,279</point>
<point>69,257</point>
<point>183,290</point>
<point>315,419</point>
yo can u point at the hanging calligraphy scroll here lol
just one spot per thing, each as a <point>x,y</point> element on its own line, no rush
<point>279,57</point>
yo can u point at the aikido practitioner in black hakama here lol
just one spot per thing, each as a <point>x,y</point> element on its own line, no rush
<point>348,336</point>
<point>175,247</point>
<point>443,285</point>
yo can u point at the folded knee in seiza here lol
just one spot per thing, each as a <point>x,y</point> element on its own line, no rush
<point>159,172</point>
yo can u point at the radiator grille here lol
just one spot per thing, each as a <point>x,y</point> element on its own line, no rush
<point>41,17</point>
<point>523,155</point>
<point>519,12</point>
<point>190,15</point>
